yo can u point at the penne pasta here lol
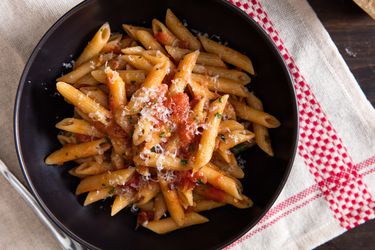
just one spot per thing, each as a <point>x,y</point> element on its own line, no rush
<point>90,168</point>
<point>247,113</point>
<point>158,161</point>
<point>181,31</point>
<point>79,126</point>
<point>262,137</point>
<point>71,152</point>
<point>229,126</point>
<point>182,76</point>
<point>163,34</point>
<point>207,141</point>
<point>148,41</point>
<point>168,225</point>
<point>229,55</point>
<point>131,30</point>
<point>108,179</point>
<point>232,74</point>
<point>96,44</point>
<point>87,105</point>
<point>97,195</point>
<point>96,94</point>
<point>221,85</point>
<point>204,205</point>
<point>173,205</point>
<point>138,62</point>
<point>121,202</point>
<point>204,58</point>
<point>220,181</point>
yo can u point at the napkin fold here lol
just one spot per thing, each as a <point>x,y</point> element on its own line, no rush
<point>332,183</point>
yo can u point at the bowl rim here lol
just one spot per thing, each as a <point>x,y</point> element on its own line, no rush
<point>21,85</point>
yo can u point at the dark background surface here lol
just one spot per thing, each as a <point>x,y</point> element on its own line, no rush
<point>354,34</point>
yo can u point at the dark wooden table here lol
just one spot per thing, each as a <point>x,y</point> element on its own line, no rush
<point>354,34</point>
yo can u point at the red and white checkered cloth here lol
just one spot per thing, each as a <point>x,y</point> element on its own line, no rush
<point>332,184</point>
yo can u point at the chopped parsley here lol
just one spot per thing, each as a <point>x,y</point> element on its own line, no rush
<point>220,100</point>
<point>162,134</point>
<point>218,115</point>
<point>184,161</point>
<point>153,149</point>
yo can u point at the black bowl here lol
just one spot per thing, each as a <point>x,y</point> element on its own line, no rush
<point>38,108</point>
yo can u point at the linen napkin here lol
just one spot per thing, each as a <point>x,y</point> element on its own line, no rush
<point>332,183</point>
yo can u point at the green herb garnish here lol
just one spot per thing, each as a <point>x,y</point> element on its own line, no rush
<point>111,191</point>
<point>218,115</point>
<point>184,161</point>
<point>242,147</point>
<point>162,134</point>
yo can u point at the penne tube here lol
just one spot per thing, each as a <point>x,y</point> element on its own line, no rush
<point>181,31</point>
<point>230,125</point>
<point>208,138</point>
<point>250,114</point>
<point>97,195</point>
<point>96,44</point>
<point>233,138</point>
<point>220,181</point>
<point>204,58</point>
<point>168,225</point>
<point>70,152</point>
<point>131,30</point>
<point>147,192</point>
<point>160,208</point>
<point>161,161</point>
<point>117,90</point>
<point>87,105</point>
<point>79,126</point>
<point>156,75</point>
<point>205,205</point>
<point>221,85</point>
<point>232,74</point>
<point>111,179</point>
<point>229,55</point>
<point>121,202</point>
<point>212,193</point>
<point>173,205</point>
<point>182,76</point>
<point>137,50</point>
<point>138,62</point>
<point>163,34</point>
<point>131,77</point>
<point>96,94</point>
<point>86,80</point>
<point>148,41</point>
<point>90,168</point>
<point>262,137</point>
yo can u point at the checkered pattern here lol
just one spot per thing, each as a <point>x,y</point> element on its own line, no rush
<point>319,145</point>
